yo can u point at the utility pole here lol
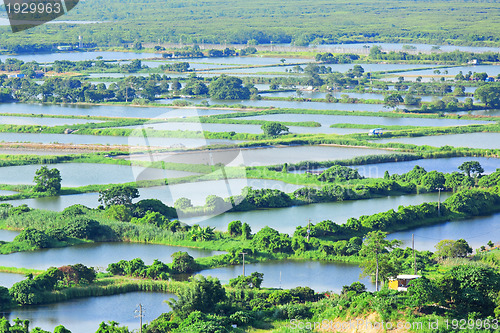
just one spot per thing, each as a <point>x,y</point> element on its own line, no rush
<point>243,253</point>
<point>376,261</point>
<point>140,315</point>
<point>413,249</point>
<point>308,230</point>
<point>439,200</point>
<point>376,272</point>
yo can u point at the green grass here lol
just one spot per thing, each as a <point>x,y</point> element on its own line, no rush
<point>17,270</point>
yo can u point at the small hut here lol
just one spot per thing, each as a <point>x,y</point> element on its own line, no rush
<point>400,283</point>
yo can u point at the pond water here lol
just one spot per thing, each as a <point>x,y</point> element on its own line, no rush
<point>327,120</point>
<point>287,219</point>
<point>305,105</point>
<point>108,110</point>
<point>3,192</point>
<point>338,94</point>
<point>336,68</point>
<point>197,192</point>
<point>110,140</point>
<point>320,276</point>
<point>44,121</point>
<point>78,56</point>
<point>491,70</point>
<point>477,231</point>
<point>8,235</point>
<point>243,128</point>
<point>282,219</point>
<point>470,140</point>
<point>447,165</point>
<point>250,61</point>
<point>7,280</point>
<point>82,174</point>
<point>260,156</point>
<point>399,47</point>
<point>192,65</point>
<point>85,314</point>
<point>4,21</point>
<point>32,151</point>
<point>117,75</point>
<point>98,255</point>
<point>490,112</point>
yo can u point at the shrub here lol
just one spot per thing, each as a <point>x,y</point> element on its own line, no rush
<point>34,238</point>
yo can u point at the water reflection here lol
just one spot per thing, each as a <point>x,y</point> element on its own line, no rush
<point>84,315</point>
<point>320,276</point>
<point>98,255</point>
<point>470,140</point>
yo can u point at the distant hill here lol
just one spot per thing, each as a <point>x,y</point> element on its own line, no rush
<point>280,21</point>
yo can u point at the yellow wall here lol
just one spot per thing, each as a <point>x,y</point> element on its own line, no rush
<point>393,284</point>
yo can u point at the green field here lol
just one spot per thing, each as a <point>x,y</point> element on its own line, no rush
<point>300,21</point>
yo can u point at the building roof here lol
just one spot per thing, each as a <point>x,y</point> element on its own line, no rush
<point>408,277</point>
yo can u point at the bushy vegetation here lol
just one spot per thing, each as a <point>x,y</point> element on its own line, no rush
<point>33,290</point>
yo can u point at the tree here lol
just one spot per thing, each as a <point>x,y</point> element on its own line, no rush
<point>204,294</point>
<point>119,212</point>
<point>471,288</point>
<point>228,87</point>
<point>490,244</point>
<point>183,263</point>
<point>454,180</point>
<point>339,173</point>
<point>412,100</point>
<point>273,128</point>
<point>48,181</point>
<point>234,228</point>
<point>82,227</point>
<point>77,274</point>
<point>374,248</point>
<point>459,91</point>
<point>61,329</point>
<point>358,71</point>
<point>448,248</point>
<point>473,167</point>
<point>216,204</point>
<point>111,327</point>
<point>274,86</point>
<point>375,51</point>
<point>195,87</point>
<point>5,300</point>
<point>422,291</point>
<point>152,218</point>
<point>153,205</point>
<point>33,237</point>
<point>471,202</point>
<point>393,100</point>
<point>479,76</point>
<point>269,239</point>
<point>118,195</point>
<point>433,179</point>
<point>183,203</point>
<point>489,94</point>
<point>176,85</point>
<point>254,280</point>
<point>246,231</point>
<point>356,288</point>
